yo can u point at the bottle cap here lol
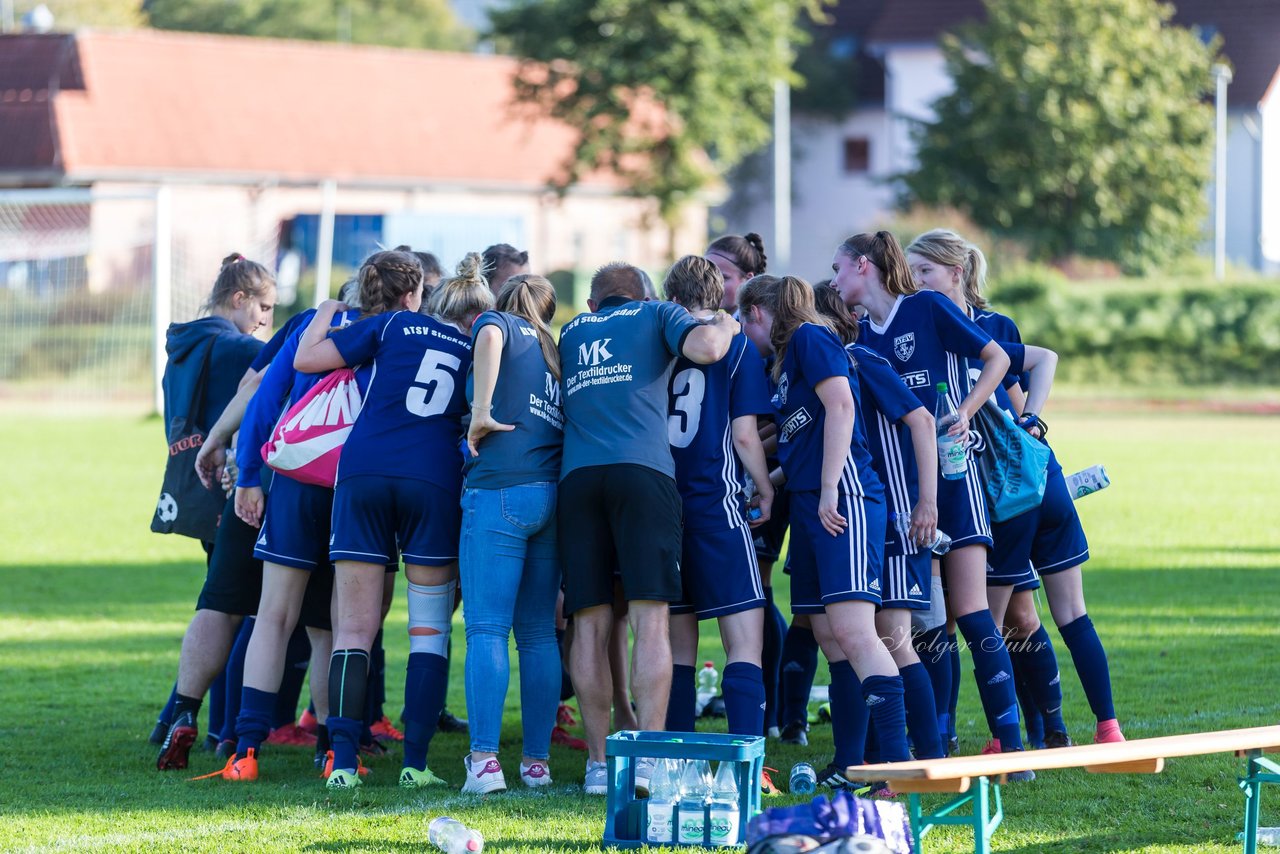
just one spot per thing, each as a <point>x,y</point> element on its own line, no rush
<point>942,388</point>
<point>708,664</point>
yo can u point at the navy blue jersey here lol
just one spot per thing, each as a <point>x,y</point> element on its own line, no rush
<point>616,367</point>
<point>927,338</point>
<point>814,354</point>
<point>883,402</point>
<point>411,419</point>
<point>704,401</point>
<point>268,353</point>
<point>528,396</point>
<point>229,351</point>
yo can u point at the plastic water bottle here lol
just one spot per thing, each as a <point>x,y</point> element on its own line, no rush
<point>804,780</point>
<point>708,680</point>
<point>1087,482</point>
<point>723,811</point>
<point>693,801</point>
<point>453,837</point>
<point>941,541</point>
<point>952,456</point>
<point>664,791</point>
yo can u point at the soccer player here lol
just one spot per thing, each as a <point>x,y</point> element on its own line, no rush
<point>714,436</point>
<point>618,502</point>
<point>1049,538</point>
<point>399,481</point>
<point>738,258</point>
<point>500,262</point>
<point>508,557</point>
<point>837,509</point>
<point>927,340</point>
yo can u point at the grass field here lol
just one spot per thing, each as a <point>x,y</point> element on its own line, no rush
<point>1184,587</point>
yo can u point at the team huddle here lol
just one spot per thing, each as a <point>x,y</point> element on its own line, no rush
<point>621,485</point>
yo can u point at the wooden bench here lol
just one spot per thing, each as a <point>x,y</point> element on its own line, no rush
<point>977,779</point>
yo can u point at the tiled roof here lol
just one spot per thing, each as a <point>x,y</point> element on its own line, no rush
<point>156,102</point>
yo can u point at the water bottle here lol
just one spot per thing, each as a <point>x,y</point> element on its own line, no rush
<point>941,541</point>
<point>663,793</point>
<point>453,837</point>
<point>804,780</point>
<point>1266,836</point>
<point>693,800</point>
<point>723,811</point>
<point>952,456</point>
<point>1087,482</point>
<point>708,679</point>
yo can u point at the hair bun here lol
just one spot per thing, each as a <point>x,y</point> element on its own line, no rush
<point>470,266</point>
<point>232,258</point>
<point>757,243</point>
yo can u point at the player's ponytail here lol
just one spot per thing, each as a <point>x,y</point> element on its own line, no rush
<point>385,278</point>
<point>534,299</point>
<point>238,275</point>
<point>948,249</point>
<point>460,299</point>
<point>790,301</point>
<point>832,308</point>
<point>745,252</point>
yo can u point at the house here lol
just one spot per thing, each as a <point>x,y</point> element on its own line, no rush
<point>422,147</point>
<point>842,167</point>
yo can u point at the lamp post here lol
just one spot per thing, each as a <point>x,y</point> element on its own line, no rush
<point>1221,78</point>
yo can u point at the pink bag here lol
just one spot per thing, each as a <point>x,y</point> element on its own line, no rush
<point>307,441</point>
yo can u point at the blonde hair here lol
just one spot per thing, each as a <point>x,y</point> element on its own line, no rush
<point>695,283</point>
<point>534,299</point>
<point>461,298</point>
<point>886,255</point>
<point>790,300</point>
<point>238,275</point>
<point>948,249</point>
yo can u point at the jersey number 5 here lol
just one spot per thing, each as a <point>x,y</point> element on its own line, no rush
<point>687,391</point>
<point>433,386</point>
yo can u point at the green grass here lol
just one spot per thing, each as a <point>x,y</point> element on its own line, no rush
<point>1184,587</point>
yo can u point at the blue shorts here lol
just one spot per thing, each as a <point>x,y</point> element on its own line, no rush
<point>719,573</point>
<point>769,537</point>
<point>962,509</point>
<point>1048,538</point>
<point>907,580</point>
<point>295,527</point>
<point>373,516</point>
<point>826,569</point>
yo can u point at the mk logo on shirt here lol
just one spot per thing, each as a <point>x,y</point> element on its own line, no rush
<point>793,425</point>
<point>596,353</point>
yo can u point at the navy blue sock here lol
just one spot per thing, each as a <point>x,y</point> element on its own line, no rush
<point>166,714</point>
<point>1090,659</point>
<point>297,658</point>
<point>425,682</point>
<point>935,657</point>
<point>848,715</point>
<point>253,724</point>
<point>775,628</point>
<point>797,668</point>
<point>953,649</point>
<point>348,677</point>
<point>871,750</point>
<point>377,680</point>
<point>922,714</point>
<point>883,696</point>
<point>995,675</point>
<point>743,689</point>
<point>1031,719</point>
<point>1040,663</point>
<point>681,707</point>
<point>234,675</point>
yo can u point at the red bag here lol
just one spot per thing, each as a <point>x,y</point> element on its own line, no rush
<point>307,441</point>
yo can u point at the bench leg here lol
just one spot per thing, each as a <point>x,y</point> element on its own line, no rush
<point>1252,805</point>
<point>987,812</point>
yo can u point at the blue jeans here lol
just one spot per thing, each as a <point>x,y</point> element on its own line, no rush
<point>510,579</point>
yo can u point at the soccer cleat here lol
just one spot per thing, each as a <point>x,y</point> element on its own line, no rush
<point>561,736</point>
<point>243,769</point>
<point>225,749</point>
<point>1108,732</point>
<point>384,730</point>
<point>158,733</point>
<point>340,779</point>
<point>1057,739</point>
<point>824,713</point>
<point>291,735</point>
<point>412,778</point>
<point>879,791</point>
<point>327,769</point>
<point>992,746</point>
<point>210,743</point>
<point>307,721</point>
<point>565,715</point>
<point>767,787</point>
<point>953,746</point>
<point>176,747</point>
<point>1016,776</point>
<point>535,774</point>
<point>772,732</point>
<point>833,777</point>
<point>373,747</point>
<point>483,779</point>
<point>644,773</point>
<point>596,780</point>
<point>451,723</point>
<point>796,732</point>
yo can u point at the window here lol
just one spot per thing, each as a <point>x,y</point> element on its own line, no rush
<point>857,154</point>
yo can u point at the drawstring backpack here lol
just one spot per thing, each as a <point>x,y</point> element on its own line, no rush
<point>308,439</point>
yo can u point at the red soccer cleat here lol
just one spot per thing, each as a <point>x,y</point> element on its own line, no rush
<point>328,766</point>
<point>561,736</point>
<point>992,746</point>
<point>307,721</point>
<point>384,730</point>
<point>291,735</point>
<point>1108,732</point>
<point>565,715</point>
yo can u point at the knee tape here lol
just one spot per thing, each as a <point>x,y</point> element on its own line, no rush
<point>430,611</point>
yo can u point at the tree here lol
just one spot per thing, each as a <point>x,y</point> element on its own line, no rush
<point>396,23</point>
<point>1077,126</point>
<point>73,14</point>
<point>667,95</point>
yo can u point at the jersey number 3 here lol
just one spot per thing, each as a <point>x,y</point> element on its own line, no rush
<point>432,388</point>
<point>687,391</point>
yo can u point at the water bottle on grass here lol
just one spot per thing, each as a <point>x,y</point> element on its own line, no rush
<point>708,680</point>
<point>453,837</point>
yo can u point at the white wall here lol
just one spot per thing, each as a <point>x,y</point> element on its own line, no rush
<point>1244,190</point>
<point>1269,180</point>
<point>915,77</point>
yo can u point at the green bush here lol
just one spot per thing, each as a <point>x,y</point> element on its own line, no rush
<point>1148,331</point>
